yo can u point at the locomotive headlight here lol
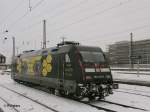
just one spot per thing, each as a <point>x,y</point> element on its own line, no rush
<point>80,85</point>
<point>105,69</point>
<point>88,77</point>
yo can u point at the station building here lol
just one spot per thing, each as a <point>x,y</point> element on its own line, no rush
<point>2,61</point>
<point>119,52</point>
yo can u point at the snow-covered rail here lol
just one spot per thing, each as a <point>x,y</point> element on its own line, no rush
<point>101,107</point>
<point>132,82</point>
<point>97,107</point>
<point>132,93</point>
<point>50,108</point>
<point>7,103</point>
<point>135,90</point>
<point>62,104</point>
<point>122,105</point>
<point>115,107</point>
<point>94,106</point>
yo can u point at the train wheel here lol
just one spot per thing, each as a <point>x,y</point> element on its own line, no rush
<point>91,98</point>
<point>56,92</point>
<point>66,93</point>
<point>61,92</point>
<point>16,80</point>
<point>51,90</point>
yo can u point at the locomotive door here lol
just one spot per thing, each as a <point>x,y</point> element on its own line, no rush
<point>61,71</point>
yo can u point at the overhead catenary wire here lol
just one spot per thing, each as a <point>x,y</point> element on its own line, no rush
<point>40,21</point>
<point>11,12</point>
<point>52,9</point>
<point>101,3</point>
<point>57,14</point>
<point>37,4</point>
<point>136,28</point>
<point>83,2</point>
<point>121,3</point>
<point>112,34</point>
<point>120,32</point>
<point>131,12</point>
<point>91,16</point>
<point>25,14</point>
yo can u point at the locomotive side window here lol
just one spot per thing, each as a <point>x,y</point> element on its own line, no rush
<point>67,59</point>
<point>68,67</point>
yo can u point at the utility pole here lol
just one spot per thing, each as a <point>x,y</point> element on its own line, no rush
<point>13,39</point>
<point>30,8</point>
<point>44,34</point>
<point>13,56</point>
<point>131,50</point>
<point>17,50</point>
<point>63,39</point>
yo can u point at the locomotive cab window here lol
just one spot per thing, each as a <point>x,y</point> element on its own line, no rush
<point>92,56</point>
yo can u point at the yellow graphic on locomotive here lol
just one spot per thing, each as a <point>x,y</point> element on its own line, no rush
<point>30,65</point>
<point>38,65</point>
<point>47,66</point>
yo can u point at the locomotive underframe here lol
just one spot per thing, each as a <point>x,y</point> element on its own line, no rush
<point>92,90</point>
<point>69,87</point>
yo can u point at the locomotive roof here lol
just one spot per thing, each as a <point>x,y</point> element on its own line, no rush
<point>62,49</point>
<point>89,48</point>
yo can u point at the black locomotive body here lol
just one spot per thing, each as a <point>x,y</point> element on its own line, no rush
<point>69,68</point>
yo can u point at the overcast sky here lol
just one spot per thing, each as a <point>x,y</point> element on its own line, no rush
<point>91,22</point>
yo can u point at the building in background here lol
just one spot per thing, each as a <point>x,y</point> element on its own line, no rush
<point>119,52</point>
<point>2,62</point>
<point>2,59</point>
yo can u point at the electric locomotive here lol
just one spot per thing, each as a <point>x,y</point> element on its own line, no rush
<point>68,69</point>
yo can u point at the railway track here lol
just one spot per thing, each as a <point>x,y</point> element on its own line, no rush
<point>135,73</point>
<point>7,103</point>
<point>113,104</point>
<point>94,106</point>
<point>101,108</point>
<point>132,93</point>
<point>50,108</point>
<point>87,103</point>
<point>145,92</point>
<point>98,107</point>
<point>132,82</point>
<point>126,106</point>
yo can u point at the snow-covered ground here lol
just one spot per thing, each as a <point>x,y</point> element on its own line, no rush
<point>125,95</point>
<point>132,75</point>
